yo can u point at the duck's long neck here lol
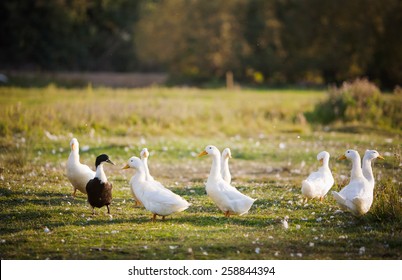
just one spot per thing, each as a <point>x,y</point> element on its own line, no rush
<point>356,168</point>
<point>100,174</point>
<point>140,175</point>
<point>215,168</point>
<point>367,170</point>
<point>325,162</point>
<point>225,165</point>
<point>74,156</point>
<point>146,169</point>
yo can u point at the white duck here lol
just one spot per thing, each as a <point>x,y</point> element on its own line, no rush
<point>144,158</point>
<point>144,154</point>
<point>369,156</point>
<point>226,155</point>
<point>318,183</point>
<point>227,198</point>
<point>357,196</point>
<point>160,201</point>
<point>78,174</point>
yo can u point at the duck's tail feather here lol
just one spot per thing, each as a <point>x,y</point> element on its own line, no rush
<point>340,199</point>
<point>307,189</point>
<point>361,206</point>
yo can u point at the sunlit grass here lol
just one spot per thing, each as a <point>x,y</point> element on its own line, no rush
<point>273,150</point>
<point>155,111</point>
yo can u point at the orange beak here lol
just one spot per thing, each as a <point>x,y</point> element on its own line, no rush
<point>126,166</point>
<point>203,153</point>
<point>72,147</point>
<point>342,157</point>
<point>381,157</point>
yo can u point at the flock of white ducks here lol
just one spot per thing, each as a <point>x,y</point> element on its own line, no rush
<point>356,197</point>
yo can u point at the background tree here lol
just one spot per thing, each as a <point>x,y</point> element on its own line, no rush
<point>68,35</point>
<point>264,42</point>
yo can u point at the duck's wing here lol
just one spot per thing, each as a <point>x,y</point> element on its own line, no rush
<point>107,192</point>
<point>315,177</point>
<point>89,173</point>
<point>342,201</point>
<point>231,192</point>
<point>354,189</point>
<point>156,193</point>
<point>328,182</point>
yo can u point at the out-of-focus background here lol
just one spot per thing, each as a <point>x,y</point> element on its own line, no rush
<point>275,81</point>
<point>194,42</point>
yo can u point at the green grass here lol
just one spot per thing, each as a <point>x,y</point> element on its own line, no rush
<point>36,126</point>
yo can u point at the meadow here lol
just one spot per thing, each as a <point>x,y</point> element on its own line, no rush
<point>273,147</point>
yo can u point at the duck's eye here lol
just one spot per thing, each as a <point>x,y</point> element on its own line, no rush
<point>348,152</point>
<point>131,160</point>
<point>210,148</point>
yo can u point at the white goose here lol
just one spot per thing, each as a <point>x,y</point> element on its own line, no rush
<point>318,183</point>
<point>369,156</point>
<point>357,196</point>
<point>78,174</point>
<point>226,155</point>
<point>227,198</point>
<point>158,200</point>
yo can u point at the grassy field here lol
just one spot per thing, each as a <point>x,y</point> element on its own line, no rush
<point>273,149</point>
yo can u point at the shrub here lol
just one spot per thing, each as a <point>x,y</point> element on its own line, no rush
<point>392,113</point>
<point>387,205</point>
<point>357,101</point>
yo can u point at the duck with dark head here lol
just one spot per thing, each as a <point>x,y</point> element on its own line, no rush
<point>99,190</point>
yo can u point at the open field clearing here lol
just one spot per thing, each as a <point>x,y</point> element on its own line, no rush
<point>273,147</point>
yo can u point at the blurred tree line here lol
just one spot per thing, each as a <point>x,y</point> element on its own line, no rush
<point>264,42</point>
<point>68,34</point>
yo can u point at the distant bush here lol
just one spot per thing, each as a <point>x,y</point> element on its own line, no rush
<point>361,102</point>
<point>392,113</point>
<point>356,101</point>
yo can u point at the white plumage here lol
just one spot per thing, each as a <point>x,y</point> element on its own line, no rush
<point>227,198</point>
<point>155,198</point>
<point>226,155</point>
<point>318,183</point>
<point>285,223</point>
<point>369,156</point>
<point>357,196</point>
<point>144,158</point>
<point>78,174</point>
<point>144,154</point>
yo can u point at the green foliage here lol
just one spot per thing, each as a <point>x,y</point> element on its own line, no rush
<point>392,113</point>
<point>282,41</point>
<point>261,42</point>
<point>387,204</point>
<point>358,102</point>
<point>68,35</point>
